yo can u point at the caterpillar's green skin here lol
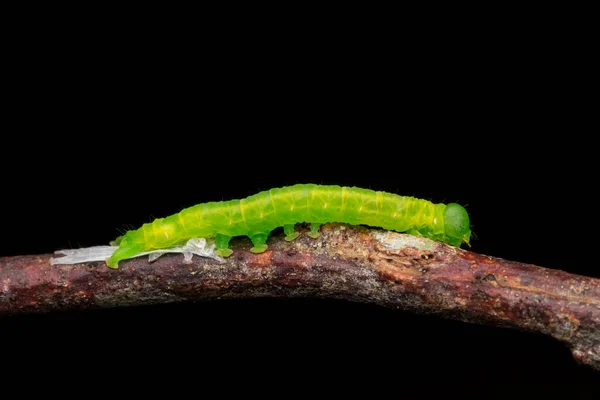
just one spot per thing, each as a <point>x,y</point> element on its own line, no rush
<point>256,216</point>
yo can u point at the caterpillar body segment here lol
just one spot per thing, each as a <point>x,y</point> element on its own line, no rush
<point>257,215</point>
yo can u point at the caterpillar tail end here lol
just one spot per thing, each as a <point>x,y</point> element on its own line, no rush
<point>117,241</point>
<point>123,252</point>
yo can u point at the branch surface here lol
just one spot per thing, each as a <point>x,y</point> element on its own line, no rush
<point>345,262</point>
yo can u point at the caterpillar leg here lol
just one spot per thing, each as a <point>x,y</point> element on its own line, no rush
<point>314,230</point>
<point>290,232</point>
<point>260,242</point>
<point>222,242</point>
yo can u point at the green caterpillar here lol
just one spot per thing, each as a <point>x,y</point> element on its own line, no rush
<point>256,216</point>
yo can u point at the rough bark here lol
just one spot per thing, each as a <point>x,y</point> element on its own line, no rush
<point>345,262</point>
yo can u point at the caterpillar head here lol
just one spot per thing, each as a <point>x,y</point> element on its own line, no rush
<point>456,224</point>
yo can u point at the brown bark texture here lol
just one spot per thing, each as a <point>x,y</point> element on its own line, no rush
<point>345,262</point>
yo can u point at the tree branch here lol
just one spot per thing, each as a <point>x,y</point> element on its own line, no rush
<point>345,262</point>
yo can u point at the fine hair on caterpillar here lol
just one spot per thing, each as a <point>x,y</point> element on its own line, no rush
<point>258,215</point>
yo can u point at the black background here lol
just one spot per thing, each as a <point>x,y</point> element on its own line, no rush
<point>113,139</point>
